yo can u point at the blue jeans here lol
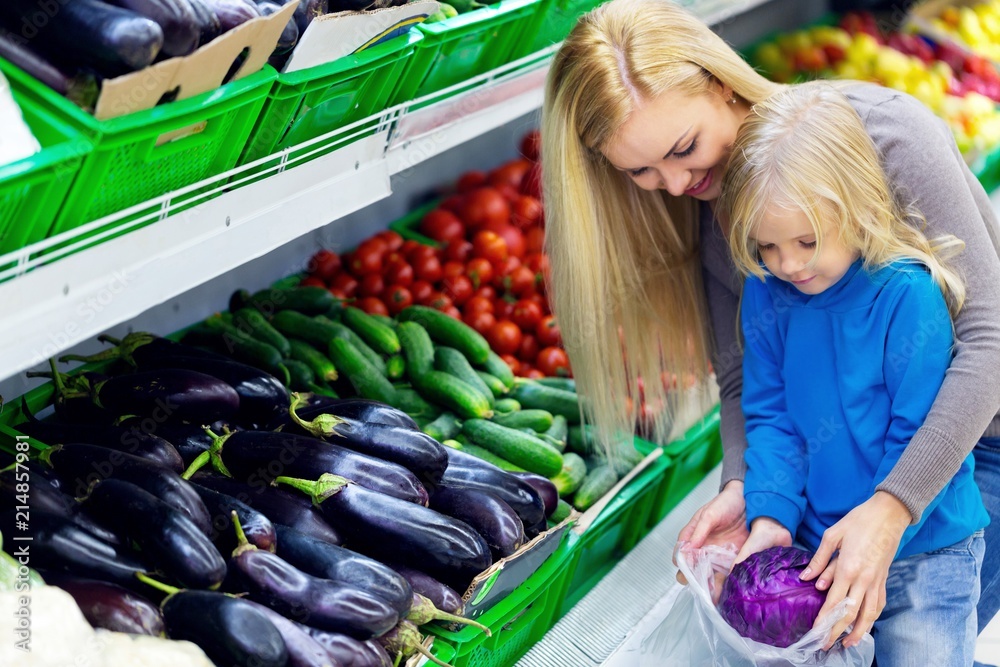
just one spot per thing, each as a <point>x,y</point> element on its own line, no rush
<point>930,608</point>
<point>987,455</point>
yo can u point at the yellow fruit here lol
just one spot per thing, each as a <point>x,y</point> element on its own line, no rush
<point>862,50</point>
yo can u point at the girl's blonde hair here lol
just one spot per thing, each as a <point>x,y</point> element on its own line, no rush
<point>805,148</point>
<point>626,277</point>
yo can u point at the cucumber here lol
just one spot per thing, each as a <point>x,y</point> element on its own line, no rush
<point>309,300</point>
<point>496,385</point>
<point>582,439</point>
<point>598,481</point>
<point>536,420</point>
<point>557,401</point>
<point>486,455</point>
<point>252,323</point>
<point>301,377</point>
<point>341,331</point>
<point>453,393</point>
<point>412,403</point>
<point>367,380</point>
<point>505,405</point>
<point>497,367</point>
<point>384,319</point>
<point>453,362</point>
<point>449,331</point>
<point>244,348</point>
<point>381,337</point>
<point>624,458</point>
<point>445,427</point>
<point>566,384</point>
<point>417,349</point>
<point>293,324</point>
<point>571,477</point>
<point>321,366</point>
<point>395,367</point>
<point>558,431</point>
<point>563,510</point>
<point>521,449</point>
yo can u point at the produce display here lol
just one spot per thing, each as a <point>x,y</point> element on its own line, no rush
<point>960,87</point>
<point>976,27</point>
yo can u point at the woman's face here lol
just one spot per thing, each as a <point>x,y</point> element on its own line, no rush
<point>679,143</point>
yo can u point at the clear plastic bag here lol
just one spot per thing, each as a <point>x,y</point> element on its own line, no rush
<point>695,634</point>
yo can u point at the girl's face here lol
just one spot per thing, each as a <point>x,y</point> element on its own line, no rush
<point>679,143</point>
<point>786,242</point>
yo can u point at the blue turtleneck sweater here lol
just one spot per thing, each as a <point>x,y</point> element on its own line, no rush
<point>834,386</point>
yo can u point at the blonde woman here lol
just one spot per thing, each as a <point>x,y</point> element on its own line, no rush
<point>846,321</point>
<point>641,107</point>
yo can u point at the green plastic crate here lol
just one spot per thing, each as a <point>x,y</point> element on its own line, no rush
<point>308,103</point>
<point>466,46</point>
<point>987,170</point>
<point>145,154</point>
<point>517,622</point>
<point>33,189</point>
<point>552,23</point>
<point>408,224</point>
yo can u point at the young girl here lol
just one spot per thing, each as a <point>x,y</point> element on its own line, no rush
<point>846,321</point>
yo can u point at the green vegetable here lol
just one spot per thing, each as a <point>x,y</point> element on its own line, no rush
<point>367,380</point>
<point>496,366</point>
<point>571,477</point>
<point>381,337</point>
<point>418,350</point>
<point>321,366</point>
<point>598,482</point>
<point>453,393</point>
<point>536,420</point>
<point>451,332</point>
<point>445,427</point>
<point>453,362</point>
<point>557,401</point>
<point>252,323</point>
<point>519,448</point>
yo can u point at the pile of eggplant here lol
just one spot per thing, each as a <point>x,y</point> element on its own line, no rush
<point>180,497</point>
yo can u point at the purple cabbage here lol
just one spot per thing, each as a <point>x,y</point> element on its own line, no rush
<point>764,599</point>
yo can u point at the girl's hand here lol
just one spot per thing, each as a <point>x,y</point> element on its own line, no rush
<point>723,520</point>
<point>764,534</point>
<point>867,539</point>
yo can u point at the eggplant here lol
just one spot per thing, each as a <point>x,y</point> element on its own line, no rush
<point>329,561</point>
<point>167,537</point>
<point>404,640</point>
<point>278,505</point>
<point>141,348</point>
<point>232,13</point>
<point>382,527</point>
<point>328,605</point>
<point>168,394</point>
<point>91,33</point>
<point>469,472</point>
<point>190,440</point>
<point>303,650</point>
<point>531,532</point>
<point>259,456</point>
<point>545,489</point>
<point>119,438</point>
<point>418,452</point>
<point>208,23</point>
<point>79,466</point>
<point>362,409</point>
<point>307,11</point>
<point>349,652</point>
<point>491,517</point>
<point>289,35</point>
<point>60,545</point>
<point>111,607</point>
<point>231,631</point>
<point>175,17</point>
<point>13,49</point>
<point>350,5</point>
<point>443,596</point>
<point>258,528</point>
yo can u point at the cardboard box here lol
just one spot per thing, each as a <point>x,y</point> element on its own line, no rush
<point>204,70</point>
<point>334,36</point>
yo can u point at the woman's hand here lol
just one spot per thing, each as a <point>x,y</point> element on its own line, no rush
<point>765,533</point>
<point>723,520</point>
<point>867,539</point>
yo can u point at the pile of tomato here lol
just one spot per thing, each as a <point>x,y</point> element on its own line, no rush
<point>488,269</point>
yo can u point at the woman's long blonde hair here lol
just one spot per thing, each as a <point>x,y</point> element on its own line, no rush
<point>626,277</point>
<point>806,149</point>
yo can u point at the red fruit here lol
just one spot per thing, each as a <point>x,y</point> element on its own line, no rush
<point>532,373</point>
<point>453,312</point>
<point>534,240</point>
<point>531,144</point>
<point>371,285</point>
<point>458,250</point>
<point>490,246</point>
<point>398,272</point>
<point>377,243</point>
<point>428,268</point>
<point>504,337</point>
<point>443,226</point>
<point>459,288</point>
<point>503,308</point>
<point>312,281</point>
<point>372,306</point>
<point>470,180</point>
<point>509,192</point>
<point>338,294</point>
<point>553,361</point>
<point>397,298</point>
<point>440,301</point>
<point>421,290</point>
<point>478,304</point>
<point>513,237</point>
<point>480,321</point>
<point>392,239</point>
<point>325,265</point>
<point>526,212</point>
<point>367,258</point>
<point>528,350</point>
<point>487,292</point>
<point>420,251</point>
<point>512,361</point>
<point>346,283</point>
<point>527,314</point>
<point>532,183</point>
<point>484,206</point>
<point>480,271</point>
<point>547,331</point>
<point>510,173</point>
<point>521,282</point>
<point>451,269</point>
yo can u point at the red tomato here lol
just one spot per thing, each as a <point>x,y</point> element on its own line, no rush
<point>503,308</point>
<point>480,271</point>
<point>452,269</point>
<point>367,258</point>
<point>531,145</point>
<point>440,301</point>
<point>477,304</point>
<point>452,203</point>
<point>338,294</point>
<point>490,246</point>
<point>547,331</point>
<point>528,349</point>
<point>325,265</point>
<point>532,373</point>
<point>484,206</point>
<point>371,285</point>
<point>420,251</point>
<point>453,311</point>
<point>504,269</point>
<point>408,246</point>
<point>480,321</point>
<point>504,337</point>
<point>372,306</point>
<point>509,192</point>
<point>393,257</point>
<point>459,288</point>
<point>312,281</point>
<point>527,314</point>
<point>392,239</point>
<point>377,243</point>
<point>398,272</point>
<point>421,289</point>
<point>512,361</point>
<point>540,299</point>
<point>397,298</point>
<point>520,282</point>
<point>442,225</point>
<point>510,173</point>
<point>532,183</point>
<point>470,180</point>
<point>513,237</point>
<point>553,361</point>
<point>526,212</point>
<point>534,240</point>
<point>346,283</point>
<point>487,292</point>
<point>458,250</point>
<point>427,268</point>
